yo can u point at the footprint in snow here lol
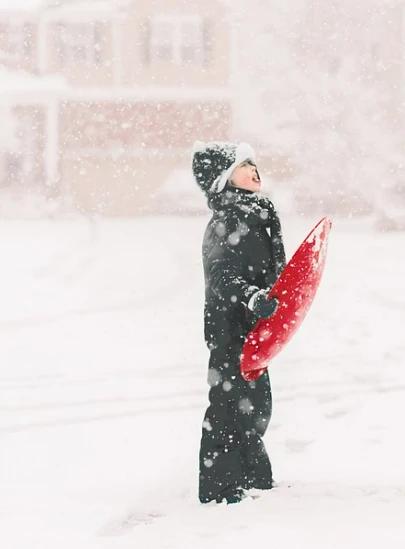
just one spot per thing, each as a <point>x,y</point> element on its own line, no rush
<point>120,526</point>
<point>295,445</point>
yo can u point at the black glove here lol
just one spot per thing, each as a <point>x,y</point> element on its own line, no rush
<point>261,306</point>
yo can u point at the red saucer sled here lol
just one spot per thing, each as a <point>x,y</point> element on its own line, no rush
<point>295,289</point>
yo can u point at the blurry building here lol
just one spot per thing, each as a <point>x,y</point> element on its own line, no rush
<point>104,98</point>
<point>110,95</point>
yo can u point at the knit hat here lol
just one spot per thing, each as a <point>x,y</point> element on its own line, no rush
<point>214,162</point>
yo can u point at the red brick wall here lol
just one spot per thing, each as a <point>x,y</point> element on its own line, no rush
<point>150,125</point>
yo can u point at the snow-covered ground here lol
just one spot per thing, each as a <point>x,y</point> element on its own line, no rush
<point>103,390</point>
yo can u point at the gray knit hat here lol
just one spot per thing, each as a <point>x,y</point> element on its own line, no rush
<point>214,162</point>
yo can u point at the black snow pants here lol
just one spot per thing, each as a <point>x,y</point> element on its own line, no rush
<point>232,453</point>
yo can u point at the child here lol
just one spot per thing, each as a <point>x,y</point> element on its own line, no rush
<point>243,254</point>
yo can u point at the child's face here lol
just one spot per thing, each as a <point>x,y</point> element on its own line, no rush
<point>245,176</point>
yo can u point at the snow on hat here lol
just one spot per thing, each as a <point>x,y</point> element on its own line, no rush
<point>214,162</point>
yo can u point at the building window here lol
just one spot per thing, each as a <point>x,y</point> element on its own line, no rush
<point>178,40</point>
<point>21,158</point>
<point>16,39</point>
<point>80,43</point>
<point>14,169</point>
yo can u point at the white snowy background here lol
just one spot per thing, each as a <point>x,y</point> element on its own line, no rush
<point>102,357</point>
<point>103,389</point>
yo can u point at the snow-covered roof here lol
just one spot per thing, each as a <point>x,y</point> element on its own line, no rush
<point>20,5</point>
<point>62,6</point>
<point>99,6</point>
<point>80,10</point>
<point>14,82</point>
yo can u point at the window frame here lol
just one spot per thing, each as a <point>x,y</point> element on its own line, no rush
<point>176,25</point>
<point>17,39</point>
<point>76,35</point>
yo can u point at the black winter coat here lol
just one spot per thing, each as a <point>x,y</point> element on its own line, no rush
<point>243,252</point>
